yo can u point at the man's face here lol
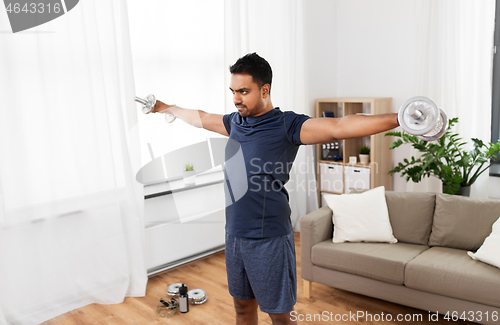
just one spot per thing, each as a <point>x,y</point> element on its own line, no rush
<point>248,97</point>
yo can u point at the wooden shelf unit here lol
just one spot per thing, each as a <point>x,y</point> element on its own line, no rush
<point>380,156</point>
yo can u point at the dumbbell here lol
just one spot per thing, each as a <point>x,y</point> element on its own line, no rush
<point>148,106</point>
<point>421,117</point>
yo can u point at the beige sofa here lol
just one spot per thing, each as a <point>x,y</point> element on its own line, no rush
<point>427,269</point>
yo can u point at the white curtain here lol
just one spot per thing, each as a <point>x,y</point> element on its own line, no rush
<point>456,43</point>
<point>274,29</point>
<point>71,229</point>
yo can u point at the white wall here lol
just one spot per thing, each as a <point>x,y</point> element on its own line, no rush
<point>377,55</point>
<point>320,30</point>
<point>494,187</point>
<point>362,48</point>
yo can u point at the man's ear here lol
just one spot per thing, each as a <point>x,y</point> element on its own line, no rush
<point>265,90</point>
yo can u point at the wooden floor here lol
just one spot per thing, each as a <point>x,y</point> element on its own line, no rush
<point>209,274</point>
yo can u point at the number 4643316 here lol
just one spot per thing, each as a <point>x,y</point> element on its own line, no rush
<point>472,316</point>
<point>33,8</point>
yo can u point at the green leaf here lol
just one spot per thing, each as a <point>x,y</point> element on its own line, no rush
<point>394,134</point>
<point>477,142</point>
<point>452,121</point>
<point>396,144</point>
<point>447,169</point>
<point>442,141</point>
<point>481,160</point>
<point>414,139</point>
<point>419,147</point>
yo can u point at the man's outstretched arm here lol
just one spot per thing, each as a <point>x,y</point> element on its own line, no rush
<point>197,118</point>
<point>325,129</point>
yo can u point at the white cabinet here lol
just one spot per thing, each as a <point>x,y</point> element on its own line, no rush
<point>332,178</point>
<point>356,178</point>
<point>339,179</point>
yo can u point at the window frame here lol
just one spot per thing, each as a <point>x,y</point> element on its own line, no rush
<point>495,107</point>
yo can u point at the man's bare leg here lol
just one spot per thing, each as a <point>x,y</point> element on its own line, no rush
<point>246,311</point>
<point>282,319</point>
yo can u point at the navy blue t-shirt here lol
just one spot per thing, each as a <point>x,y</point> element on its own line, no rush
<point>268,145</point>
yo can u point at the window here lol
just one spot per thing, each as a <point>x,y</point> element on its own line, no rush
<point>495,121</point>
<point>178,56</point>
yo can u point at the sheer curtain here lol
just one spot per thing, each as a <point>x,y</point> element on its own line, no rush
<point>71,229</point>
<point>274,29</point>
<point>456,43</point>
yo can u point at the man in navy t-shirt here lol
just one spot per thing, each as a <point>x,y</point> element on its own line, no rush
<point>260,251</point>
<point>269,143</point>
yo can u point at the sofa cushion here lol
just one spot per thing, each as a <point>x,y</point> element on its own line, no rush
<point>411,215</point>
<point>461,222</point>
<point>360,217</point>
<point>379,261</point>
<point>451,272</point>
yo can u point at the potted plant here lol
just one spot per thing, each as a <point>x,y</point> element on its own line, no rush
<point>189,175</point>
<point>364,155</point>
<point>445,159</point>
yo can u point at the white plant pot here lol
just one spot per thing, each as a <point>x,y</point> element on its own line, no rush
<point>189,177</point>
<point>364,159</point>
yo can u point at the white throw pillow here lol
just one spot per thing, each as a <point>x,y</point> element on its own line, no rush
<point>489,252</point>
<point>361,217</point>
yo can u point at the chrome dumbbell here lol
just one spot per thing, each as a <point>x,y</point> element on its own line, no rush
<point>148,106</point>
<point>421,117</point>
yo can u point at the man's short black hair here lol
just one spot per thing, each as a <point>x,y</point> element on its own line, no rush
<point>254,65</point>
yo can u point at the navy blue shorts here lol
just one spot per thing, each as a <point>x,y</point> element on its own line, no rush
<point>264,269</point>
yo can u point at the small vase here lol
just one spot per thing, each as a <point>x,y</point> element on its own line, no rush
<point>462,191</point>
<point>364,159</point>
<point>189,177</point>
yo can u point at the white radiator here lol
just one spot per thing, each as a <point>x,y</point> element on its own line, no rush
<point>173,242</point>
<point>183,225</point>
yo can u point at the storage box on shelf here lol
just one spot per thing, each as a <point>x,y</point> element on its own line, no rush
<point>335,173</point>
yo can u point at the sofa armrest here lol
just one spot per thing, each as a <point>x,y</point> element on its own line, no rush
<point>315,227</point>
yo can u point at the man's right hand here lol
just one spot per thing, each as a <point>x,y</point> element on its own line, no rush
<point>161,107</point>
